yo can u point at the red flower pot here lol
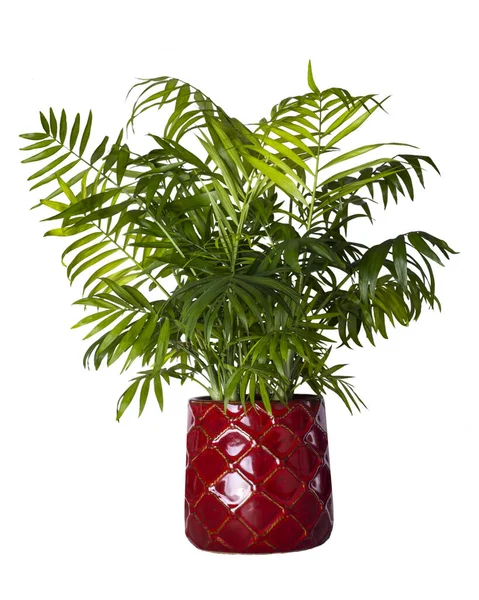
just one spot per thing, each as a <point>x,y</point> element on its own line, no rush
<point>257,483</point>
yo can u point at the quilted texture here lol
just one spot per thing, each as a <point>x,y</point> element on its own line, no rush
<point>257,483</point>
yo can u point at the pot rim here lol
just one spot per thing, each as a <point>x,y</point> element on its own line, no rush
<point>295,398</point>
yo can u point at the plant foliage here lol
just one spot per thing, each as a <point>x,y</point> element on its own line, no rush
<point>230,265</point>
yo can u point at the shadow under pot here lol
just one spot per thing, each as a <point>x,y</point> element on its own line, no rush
<point>258,483</point>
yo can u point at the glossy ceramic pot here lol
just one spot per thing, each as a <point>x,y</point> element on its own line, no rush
<point>257,483</point>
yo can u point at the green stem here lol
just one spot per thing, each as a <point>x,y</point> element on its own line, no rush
<point>316,170</point>
<point>313,193</point>
<point>113,241</point>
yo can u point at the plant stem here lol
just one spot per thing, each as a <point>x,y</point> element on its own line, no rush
<point>313,193</point>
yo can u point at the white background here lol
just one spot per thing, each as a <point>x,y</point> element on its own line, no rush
<point>90,508</point>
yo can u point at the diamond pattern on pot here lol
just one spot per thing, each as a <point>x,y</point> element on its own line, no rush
<point>214,422</point>
<point>321,484</point>
<point>210,464</point>
<point>232,489</point>
<point>234,410</point>
<point>261,548</point>
<point>287,534</point>
<point>307,509</point>
<point>280,441</point>
<point>298,419</point>
<point>236,535</point>
<point>317,438</point>
<point>303,462</point>
<point>233,443</point>
<point>194,487</point>
<point>197,533</point>
<point>259,512</point>
<point>284,487</point>
<point>258,483</point>
<point>196,439</point>
<point>258,464</point>
<point>211,512</point>
<point>217,546</point>
<point>255,422</point>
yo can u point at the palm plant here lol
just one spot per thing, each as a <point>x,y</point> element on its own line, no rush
<point>230,264</point>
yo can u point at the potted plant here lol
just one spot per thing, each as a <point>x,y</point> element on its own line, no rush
<point>222,256</point>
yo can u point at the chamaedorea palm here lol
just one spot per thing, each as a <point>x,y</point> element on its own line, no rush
<point>231,266</point>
